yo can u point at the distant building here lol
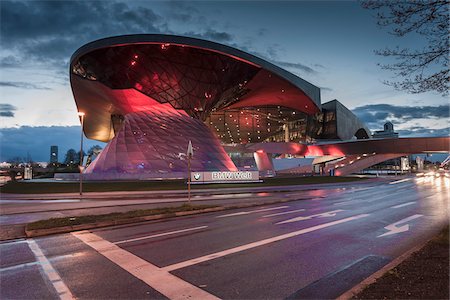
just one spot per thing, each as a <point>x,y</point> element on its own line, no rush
<point>53,154</point>
<point>387,133</point>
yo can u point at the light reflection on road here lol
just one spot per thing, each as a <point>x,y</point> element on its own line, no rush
<point>39,201</point>
<point>438,203</point>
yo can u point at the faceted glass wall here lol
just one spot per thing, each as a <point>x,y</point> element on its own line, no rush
<point>155,143</point>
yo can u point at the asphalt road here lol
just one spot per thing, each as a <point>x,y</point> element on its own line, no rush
<point>19,209</point>
<point>314,248</point>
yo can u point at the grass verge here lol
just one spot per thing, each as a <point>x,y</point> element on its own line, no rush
<point>424,275</point>
<point>81,220</point>
<point>115,186</point>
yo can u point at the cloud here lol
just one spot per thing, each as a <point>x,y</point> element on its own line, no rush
<point>220,36</point>
<point>36,141</point>
<point>262,32</point>
<point>23,85</point>
<point>297,66</point>
<point>10,62</point>
<point>48,32</point>
<point>376,113</point>
<point>182,12</point>
<point>271,55</point>
<point>7,110</point>
<point>423,131</point>
<point>327,89</point>
<point>210,34</point>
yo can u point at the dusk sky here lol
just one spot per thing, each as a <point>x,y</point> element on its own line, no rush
<point>328,43</point>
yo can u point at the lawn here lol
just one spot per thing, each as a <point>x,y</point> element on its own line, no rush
<point>72,221</point>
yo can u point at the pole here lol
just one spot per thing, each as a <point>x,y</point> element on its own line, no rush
<point>189,179</point>
<point>81,155</point>
<point>189,154</point>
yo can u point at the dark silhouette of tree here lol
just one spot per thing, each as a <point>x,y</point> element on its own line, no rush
<point>94,150</point>
<point>92,154</point>
<point>16,161</point>
<point>421,70</point>
<point>72,157</point>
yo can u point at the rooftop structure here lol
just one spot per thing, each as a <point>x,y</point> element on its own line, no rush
<point>387,132</point>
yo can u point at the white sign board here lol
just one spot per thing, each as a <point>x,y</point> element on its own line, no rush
<point>225,177</point>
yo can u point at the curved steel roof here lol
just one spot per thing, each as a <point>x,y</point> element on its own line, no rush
<point>311,90</point>
<point>123,74</point>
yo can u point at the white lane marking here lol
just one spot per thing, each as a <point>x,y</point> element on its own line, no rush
<point>401,180</point>
<point>160,234</point>
<point>393,229</point>
<point>359,189</point>
<point>257,244</point>
<point>19,266</point>
<point>18,241</point>
<point>167,284</point>
<point>284,213</point>
<point>59,285</point>
<point>404,204</point>
<point>321,215</point>
<point>344,202</point>
<point>251,211</point>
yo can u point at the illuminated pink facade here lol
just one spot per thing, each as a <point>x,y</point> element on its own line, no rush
<point>148,95</point>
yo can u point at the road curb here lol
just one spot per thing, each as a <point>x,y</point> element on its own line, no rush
<point>372,278</point>
<point>66,229</point>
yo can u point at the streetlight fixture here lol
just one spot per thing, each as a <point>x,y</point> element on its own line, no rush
<point>80,166</point>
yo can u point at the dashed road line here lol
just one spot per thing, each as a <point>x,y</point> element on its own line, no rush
<point>159,279</point>
<point>400,181</point>
<point>53,276</point>
<point>160,234</point>
<point>284,213</point>
<point>404,204</point>
<point>208,257</point>
<point>321,215</point>
<point>251,211</point>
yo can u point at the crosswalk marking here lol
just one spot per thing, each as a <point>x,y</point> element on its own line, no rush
<point>59,285</point>
<point>159,279</point>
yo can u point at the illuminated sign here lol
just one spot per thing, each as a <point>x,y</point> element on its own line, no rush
<point>223,177</point>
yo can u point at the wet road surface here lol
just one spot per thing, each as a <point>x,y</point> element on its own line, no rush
<point>311,248</point>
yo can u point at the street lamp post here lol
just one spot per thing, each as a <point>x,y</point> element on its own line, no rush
<point>80,167</point>
<point>189,154</point>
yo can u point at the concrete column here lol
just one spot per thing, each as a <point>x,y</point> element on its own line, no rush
<point>264,163</point>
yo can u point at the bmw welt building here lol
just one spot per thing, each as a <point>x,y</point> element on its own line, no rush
<point>149,95</point>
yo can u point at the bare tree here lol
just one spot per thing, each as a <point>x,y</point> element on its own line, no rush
<point>425,69</point>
